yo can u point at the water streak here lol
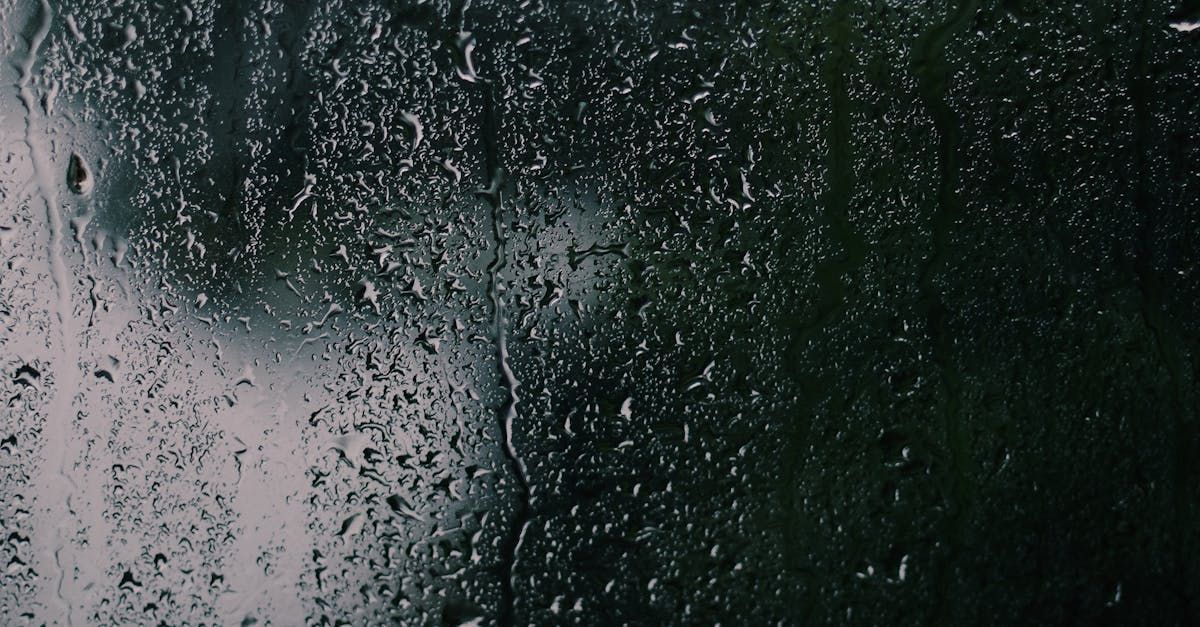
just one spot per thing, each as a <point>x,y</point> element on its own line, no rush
<point>57,424</point>
<point>511,548</point>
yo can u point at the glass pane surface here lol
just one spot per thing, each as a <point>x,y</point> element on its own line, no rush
<point>446,312</point>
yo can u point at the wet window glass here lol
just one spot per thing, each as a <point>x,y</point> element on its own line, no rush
<point>474,312</point>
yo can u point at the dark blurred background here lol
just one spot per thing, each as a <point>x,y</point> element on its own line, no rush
<point>603,312</point>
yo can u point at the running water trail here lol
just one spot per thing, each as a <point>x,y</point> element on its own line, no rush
<point>56,484</point>
<point>511,547</point>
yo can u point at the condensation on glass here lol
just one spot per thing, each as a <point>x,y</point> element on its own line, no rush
<point>600,312</point>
